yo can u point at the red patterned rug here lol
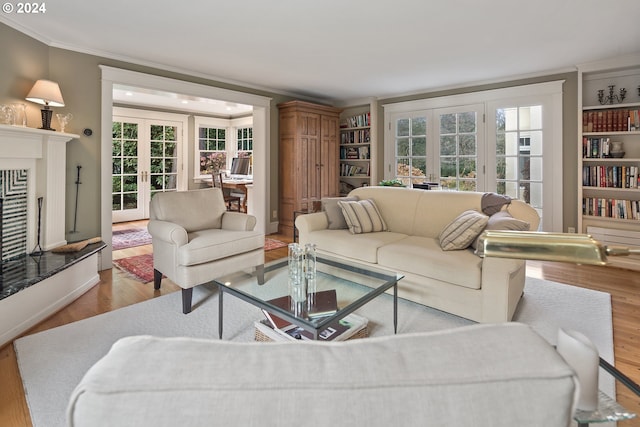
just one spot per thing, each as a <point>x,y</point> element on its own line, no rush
<point>129,238</point>
<point>140,267</point>
<point>271,244</point>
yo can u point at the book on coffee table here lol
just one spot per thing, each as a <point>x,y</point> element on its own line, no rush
<point>343,329</point>
<point>325,303</point>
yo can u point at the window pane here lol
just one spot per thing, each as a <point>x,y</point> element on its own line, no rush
<point>403,167</point>
<point>512,144</point>
<point>402,148</point>
<point>447,145</point>
<point>511,168</point>
<point>468,145</point>
<point>536,143</point>
<point>467,168</point>
<point>419,167</point>
<point>403,127</point>
<point>500,142</point>
<point>130,131</point>
<point>157,132</point>
<point>116,129</point>
<point>419,126</point>
<point>501,168</point>
<point>447,123</point>
<point>511,119</point>
<point>532,169</point>
<point>419,147</point>
<point>531,117</point>
<point>467,122</point>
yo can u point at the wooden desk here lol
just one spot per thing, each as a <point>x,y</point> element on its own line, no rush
<point>239,184</point>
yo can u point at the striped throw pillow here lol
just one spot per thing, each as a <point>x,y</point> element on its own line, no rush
<point>463,230</point>
<point>362,216</point>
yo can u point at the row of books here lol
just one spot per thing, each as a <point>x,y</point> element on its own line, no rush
<point>611,208</point>
<point>596,148</point>
<point>361,153</point>
<point>358,121</point>
<point>352,170</point>
<point>617,120</point>
<point>324,304</point>
<point>610,176</point>
<point>361,136</point>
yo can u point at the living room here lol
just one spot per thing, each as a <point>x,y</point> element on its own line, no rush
<point>82,72</point>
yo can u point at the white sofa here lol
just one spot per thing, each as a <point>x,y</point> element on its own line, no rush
<point>499,375</point>
<point>458,281</point>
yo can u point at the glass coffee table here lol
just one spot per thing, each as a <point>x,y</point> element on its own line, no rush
<point>354,285</point>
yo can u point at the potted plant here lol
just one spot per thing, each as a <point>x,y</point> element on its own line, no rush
<point>391,183</point>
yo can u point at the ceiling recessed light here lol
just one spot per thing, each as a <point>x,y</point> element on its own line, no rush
<point>129,93</point>
<point>184,101</point>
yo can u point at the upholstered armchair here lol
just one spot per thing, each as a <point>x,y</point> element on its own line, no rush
<point>195,240</point>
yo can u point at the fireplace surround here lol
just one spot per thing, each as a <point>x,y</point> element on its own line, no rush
<point>33,169</point>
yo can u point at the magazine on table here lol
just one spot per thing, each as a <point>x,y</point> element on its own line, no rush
<point>324,304</point>
<point>339,331</point>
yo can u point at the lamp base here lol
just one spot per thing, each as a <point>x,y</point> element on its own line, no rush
<point>46,114</point>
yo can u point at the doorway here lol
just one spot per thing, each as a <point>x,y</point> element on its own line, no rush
<point>147,155</point>
<point>261,131</point>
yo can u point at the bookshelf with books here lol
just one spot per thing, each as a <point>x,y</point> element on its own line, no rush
<point>609,153</point>
<point>357,147</point>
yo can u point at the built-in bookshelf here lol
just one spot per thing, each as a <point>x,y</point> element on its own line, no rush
<point>357,148</point>
<point>609,154</point>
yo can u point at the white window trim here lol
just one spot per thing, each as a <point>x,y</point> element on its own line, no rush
<point>549,92</point>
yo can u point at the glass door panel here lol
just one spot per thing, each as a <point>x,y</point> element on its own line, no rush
<point>126,179</point>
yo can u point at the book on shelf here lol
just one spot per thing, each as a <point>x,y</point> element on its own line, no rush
<point>611,120</point>
<point>618,176</point>
<point>611,208</point>
<point>357,121</point>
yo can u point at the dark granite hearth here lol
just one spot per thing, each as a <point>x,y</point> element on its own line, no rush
<point>21,272</point>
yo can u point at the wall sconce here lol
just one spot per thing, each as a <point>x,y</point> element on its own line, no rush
<point>47,93</point>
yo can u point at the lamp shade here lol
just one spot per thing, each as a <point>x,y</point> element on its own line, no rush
<point>46,92</point>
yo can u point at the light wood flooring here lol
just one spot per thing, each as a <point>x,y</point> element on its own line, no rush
<point>116,290</point>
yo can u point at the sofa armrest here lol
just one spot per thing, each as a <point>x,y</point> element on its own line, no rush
<point>237,221</point>
<point>502,287</point>
<point>168,232</point>
<point>312,222</point>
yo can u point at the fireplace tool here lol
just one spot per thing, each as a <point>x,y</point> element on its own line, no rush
<point>38,249</point>
<point>75,215</point>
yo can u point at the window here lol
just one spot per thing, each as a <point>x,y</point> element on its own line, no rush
<point>212,147</point>
<point>244,142</point>
<point>218,141</point>
<point>516,151</point>
<point>411,149</point>
<point>519,153</point>
<point>460,137</point>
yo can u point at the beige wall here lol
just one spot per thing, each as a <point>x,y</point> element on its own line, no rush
<point>25,60</point>
<point>569,131</point>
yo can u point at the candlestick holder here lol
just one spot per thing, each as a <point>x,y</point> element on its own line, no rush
<point>611,98</point>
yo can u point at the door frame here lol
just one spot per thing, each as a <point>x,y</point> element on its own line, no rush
<point>261,137</point>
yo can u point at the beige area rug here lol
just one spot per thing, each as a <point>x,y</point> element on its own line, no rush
<point>53,362</point>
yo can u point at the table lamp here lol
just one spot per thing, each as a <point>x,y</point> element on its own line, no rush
<point>47,93</point>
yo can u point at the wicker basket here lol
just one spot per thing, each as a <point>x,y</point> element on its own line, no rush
<point>264,333</point>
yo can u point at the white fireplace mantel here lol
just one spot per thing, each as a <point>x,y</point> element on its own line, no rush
<point>43,153</point>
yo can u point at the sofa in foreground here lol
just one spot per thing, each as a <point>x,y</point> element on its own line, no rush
<point>499,375</point>
<point>455,280</point>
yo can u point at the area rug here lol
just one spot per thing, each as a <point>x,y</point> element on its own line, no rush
<point>271,244</point>
<point>139,267</point>
<point>130,238</point>
<point>54,361</point>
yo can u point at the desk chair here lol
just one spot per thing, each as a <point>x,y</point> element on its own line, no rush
<point>230,200</point>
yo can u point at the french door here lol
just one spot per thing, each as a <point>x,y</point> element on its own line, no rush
<point>145,160</point>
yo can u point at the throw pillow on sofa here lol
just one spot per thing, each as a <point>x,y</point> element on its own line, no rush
<point>502,221</point>
<point>463,230</point>
<point>362,216</point>
<point>334,212</point>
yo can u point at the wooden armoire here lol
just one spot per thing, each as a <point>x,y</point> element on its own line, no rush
<point>308,158</point>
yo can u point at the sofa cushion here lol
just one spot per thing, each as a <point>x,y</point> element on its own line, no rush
<point>361,247</point>
<point>502,221</point>
<point>463,230</point>
<point>362,216</point>
<point>423,256</point>
<point>334,211</point>
<point>211,245</point>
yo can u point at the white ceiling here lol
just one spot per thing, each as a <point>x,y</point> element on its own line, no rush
<point>342,50</point>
